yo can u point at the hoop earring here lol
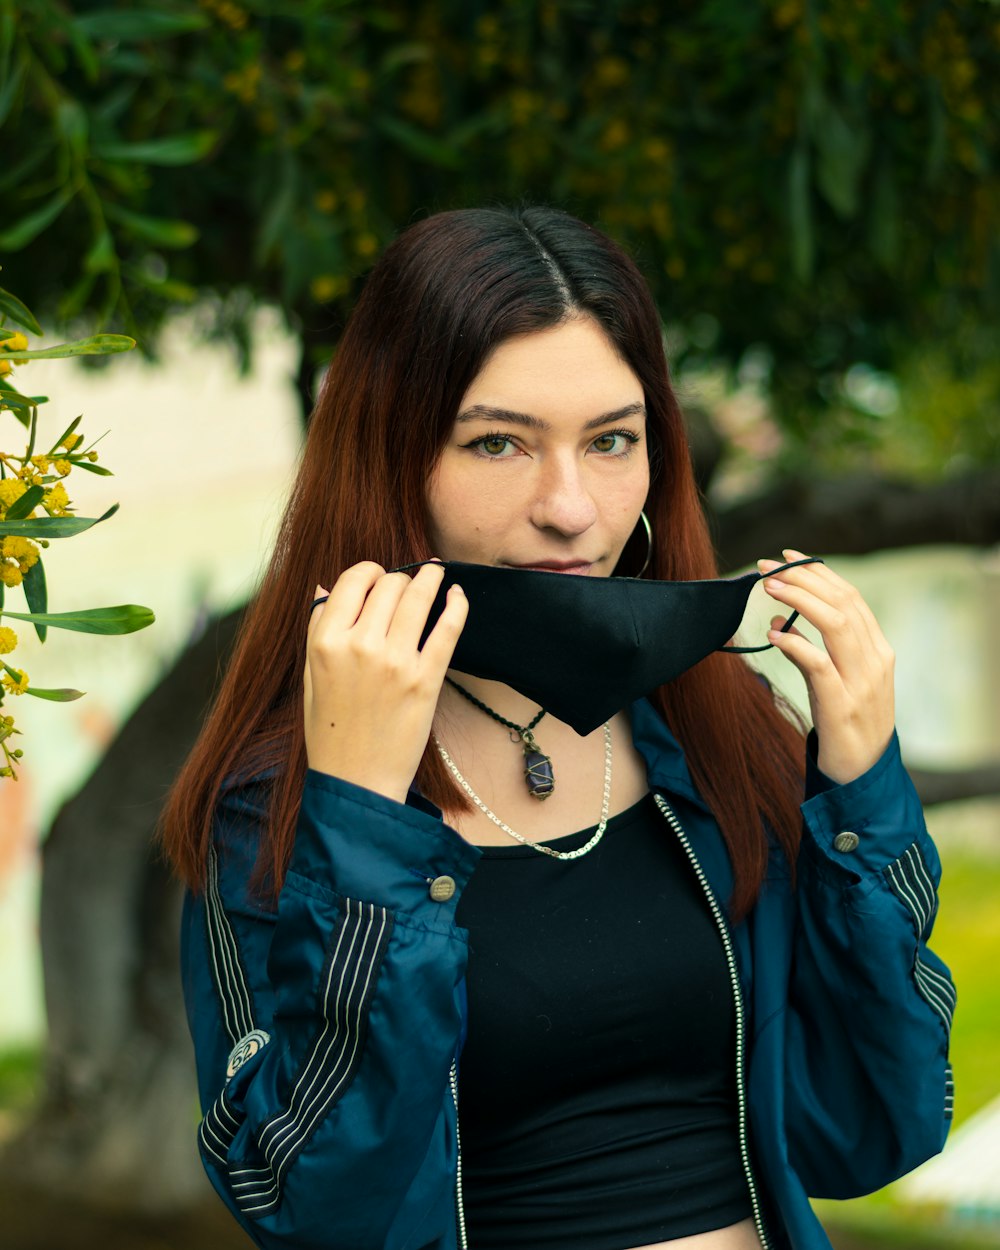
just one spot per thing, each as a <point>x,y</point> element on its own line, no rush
<point>649,540</point>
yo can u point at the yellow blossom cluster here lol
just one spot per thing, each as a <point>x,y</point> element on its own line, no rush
<point>17,556</point>
<point>17,684</point>
<point>6,731</point>
<point>12,343</point>
<point>8,640</point>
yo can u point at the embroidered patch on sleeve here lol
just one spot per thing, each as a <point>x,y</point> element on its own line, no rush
<point>245,1049</point>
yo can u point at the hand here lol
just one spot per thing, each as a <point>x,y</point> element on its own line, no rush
<point>370,694</point>
<point>850,684</point>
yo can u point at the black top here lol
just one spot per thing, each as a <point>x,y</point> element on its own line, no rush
<point>597,1086</point>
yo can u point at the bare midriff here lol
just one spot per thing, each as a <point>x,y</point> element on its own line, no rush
<point>742,1236</point>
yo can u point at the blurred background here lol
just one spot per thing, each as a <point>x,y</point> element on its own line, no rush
<point>813,192</point>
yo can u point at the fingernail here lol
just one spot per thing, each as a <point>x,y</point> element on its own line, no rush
<point>455,586</point>
<point>771,582</point>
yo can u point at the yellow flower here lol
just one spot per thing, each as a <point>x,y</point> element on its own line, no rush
<point>10,574</point>
<point>41,462</point>
<point>56,501</point>
<point>8,640</point>
<point>326,201</point>
<point>11,489</point>
<point>16,343</point>
<point>62,467</point>
<point>71,440</point>
<point>16,685</point>
<point>327,286</point>
<point>5,368</point>
<point>20,549</point>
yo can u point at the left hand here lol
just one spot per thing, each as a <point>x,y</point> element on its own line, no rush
<point>850,684</point>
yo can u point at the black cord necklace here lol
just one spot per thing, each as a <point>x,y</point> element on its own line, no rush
<point>538,773</point>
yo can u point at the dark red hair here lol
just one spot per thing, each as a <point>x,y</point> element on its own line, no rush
<point>443,295</point>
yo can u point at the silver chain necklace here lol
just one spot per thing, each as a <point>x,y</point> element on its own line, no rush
<point>544,850</point>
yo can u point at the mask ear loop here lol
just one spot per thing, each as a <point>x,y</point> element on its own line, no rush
<point>791,620</point>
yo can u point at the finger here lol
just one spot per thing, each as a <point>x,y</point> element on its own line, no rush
<point>381,604</point>
<point>840,591</point>
<point>844,634</point>
<point>347,598</point>
<point>411,614</point>
<point>815,664</point>
<point>440,646</point>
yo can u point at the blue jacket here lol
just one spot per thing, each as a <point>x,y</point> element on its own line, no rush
<point>327,1034</point>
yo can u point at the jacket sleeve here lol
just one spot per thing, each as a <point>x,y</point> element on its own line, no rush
<point>325,1031</point>
<point>868,1083</point>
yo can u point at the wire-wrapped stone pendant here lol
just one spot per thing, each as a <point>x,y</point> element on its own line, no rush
<point>537,769</point>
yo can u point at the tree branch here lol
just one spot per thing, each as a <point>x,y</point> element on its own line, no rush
<point>859,514</point>
<point>949,785</point>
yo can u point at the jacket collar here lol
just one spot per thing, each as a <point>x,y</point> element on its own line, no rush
<point>666,766</point>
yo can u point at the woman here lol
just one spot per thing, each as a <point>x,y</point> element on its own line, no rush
<point>665,1026</point>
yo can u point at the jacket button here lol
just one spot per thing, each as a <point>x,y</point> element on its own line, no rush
<point>846,841</point>
<point>442,888</point>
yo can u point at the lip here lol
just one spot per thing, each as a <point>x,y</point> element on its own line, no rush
<point>556,566</point>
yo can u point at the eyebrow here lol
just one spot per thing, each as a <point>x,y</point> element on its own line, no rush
<point>483,412</point>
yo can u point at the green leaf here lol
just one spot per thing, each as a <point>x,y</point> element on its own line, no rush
<point>419,143</point>
<point>22,232</point>
<point>118,25</point>
<point>800,212</point>
<point>72,124</point>
<point>55,526</point>
<point>96,345</point>
<point>11,87</point>
<point>123,618</point>
<point>277,214</point>
<point>10,394</point>
<point>164,231</point>
<point>37,595</point>
<point>28,502</point>
<point>70,429</point>
<point>62,694</point>
<point>883,224</point>
<point>101,257</point>
<point>12,307</point>
<point>99,469</point>
<point>173,150</point>
<point>842,152</point>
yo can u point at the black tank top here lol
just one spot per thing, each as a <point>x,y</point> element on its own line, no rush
<point>597,1086</point>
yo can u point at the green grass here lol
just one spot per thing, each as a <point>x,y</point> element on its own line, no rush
<point>20,1077</point>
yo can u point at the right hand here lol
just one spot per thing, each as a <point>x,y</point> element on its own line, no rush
<point>370,694</point>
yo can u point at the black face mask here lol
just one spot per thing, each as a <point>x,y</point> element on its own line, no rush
<point>585,647</point>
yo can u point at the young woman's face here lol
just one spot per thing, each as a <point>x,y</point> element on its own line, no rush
<point>547,462</point>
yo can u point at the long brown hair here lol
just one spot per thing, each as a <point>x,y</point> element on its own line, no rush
<point>444,294</point>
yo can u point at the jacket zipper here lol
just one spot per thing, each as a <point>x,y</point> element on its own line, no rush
<point>723,928</point>
<point>459,1205</point>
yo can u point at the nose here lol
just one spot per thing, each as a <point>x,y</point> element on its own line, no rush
<point>562,501</point>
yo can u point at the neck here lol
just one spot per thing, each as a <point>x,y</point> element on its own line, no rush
<point>503,699</point>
